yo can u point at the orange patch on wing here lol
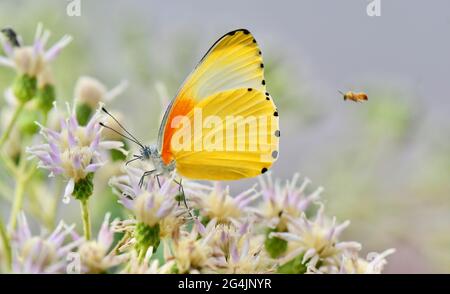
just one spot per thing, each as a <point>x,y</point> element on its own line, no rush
<point>181,107</point>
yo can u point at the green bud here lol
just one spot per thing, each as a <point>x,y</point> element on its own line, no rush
<point>146,236</point>
<point>274,245</point>
<point>26,122</point>
<point>46,95</point>
<point>84,113</point>
<point>83,188</point>
<point>24,87</point>
<point>174,269</point>
<point>295,266</point>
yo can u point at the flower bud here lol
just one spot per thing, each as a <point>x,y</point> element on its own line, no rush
<point>88,93</point>
<point>274,246</point>
<point>84,187</point>
<point>26,122</point>
<point>146,237</point>
<point>46,96</point>
<point>46,91</point>
<point>24,87</point>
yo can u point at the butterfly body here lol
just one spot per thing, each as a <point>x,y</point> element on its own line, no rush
<point>151,153</point>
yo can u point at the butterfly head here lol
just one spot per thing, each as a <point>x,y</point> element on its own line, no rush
<point>149,152</point>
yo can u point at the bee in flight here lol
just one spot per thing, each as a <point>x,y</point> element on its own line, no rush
<point>356,97</point>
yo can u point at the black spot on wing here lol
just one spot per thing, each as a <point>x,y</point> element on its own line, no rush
<point>264,170</point>
<point>277,133</point>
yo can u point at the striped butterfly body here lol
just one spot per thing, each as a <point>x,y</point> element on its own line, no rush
<point>222,124</point>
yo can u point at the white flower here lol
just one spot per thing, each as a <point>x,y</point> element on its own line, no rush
<point>147,266</point>
<point>150,204</point>
<point>316,240</point>
<point>91,92</point>
<point>39,254</point>
<point>74,151</point>
<point>97,255</point>
<point>283,201</point>
<point>216,202</point>
<point>191,253</point>
<point>32,60</point>
<point>373,264</point>
<point>236,250</point>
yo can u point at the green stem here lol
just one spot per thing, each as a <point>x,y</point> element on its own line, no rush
<point>142,253</point>
<point>11,124</point>
<point>86,219</point>
<point>6,245</point>
<point>8,163</point>
<point>18,201</point>
<point>22,178</point>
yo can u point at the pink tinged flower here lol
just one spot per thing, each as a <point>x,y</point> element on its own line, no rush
<point>33,59</point>
<point>40,254</point>
<point>97,256</point>
<point>216,202</point>
<point>316,240</point>
<point>281,201</point>
<point>150,203</point>
<point>74,151</point>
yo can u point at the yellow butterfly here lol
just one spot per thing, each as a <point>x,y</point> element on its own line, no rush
<point>222,124</point>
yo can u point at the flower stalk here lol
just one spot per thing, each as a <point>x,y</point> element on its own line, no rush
<point>11,124</point>
<point>86,218</point>
<point>6,244</point>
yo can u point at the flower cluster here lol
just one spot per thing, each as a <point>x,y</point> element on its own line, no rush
<point>74,151</point>
<point>162,224</point>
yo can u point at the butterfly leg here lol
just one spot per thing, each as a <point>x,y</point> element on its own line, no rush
<point>181,191</point>
<point>136,157</point>
<point>145,174</point>
<point>157,179</point>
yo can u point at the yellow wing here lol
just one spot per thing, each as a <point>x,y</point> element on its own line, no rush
<point>238,138</point>
<point>233,62</point>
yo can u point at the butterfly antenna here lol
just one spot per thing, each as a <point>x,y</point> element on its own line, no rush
<point>117,132</point>
<point>131,160</point>
<point>341,92</point>
<point>122,127</point>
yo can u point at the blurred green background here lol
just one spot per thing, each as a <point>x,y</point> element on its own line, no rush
<point>385,164</point>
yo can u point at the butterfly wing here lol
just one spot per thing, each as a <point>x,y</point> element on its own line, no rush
<point>238,138</point>
<point>234,61</point>
<point>227,72</point>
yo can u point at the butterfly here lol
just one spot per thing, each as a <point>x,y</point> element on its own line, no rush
<point>227,90</point>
